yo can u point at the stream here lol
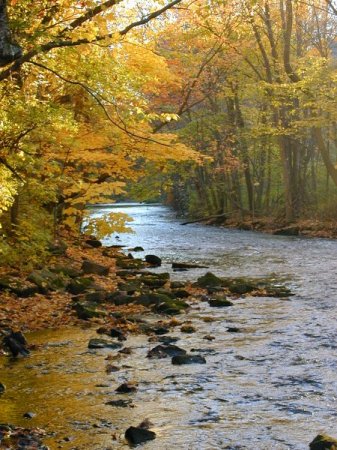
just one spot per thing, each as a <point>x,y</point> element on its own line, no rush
<point>271,386</point>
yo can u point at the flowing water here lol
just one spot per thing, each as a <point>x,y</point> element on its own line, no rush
<point>271,386</point>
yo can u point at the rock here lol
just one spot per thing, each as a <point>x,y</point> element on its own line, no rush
<point>323,442</point>
<point>95,243</point>
<point>2,388</point>
<point>219,302</point>
<point>137,435</point>
<point>233,330</point>
<point>167,339</point>
<point>121,403</point>
<point>19,287</point>
<point>126,388</point>
<point>80,285</point>
<point>102,343</point>
<point>178,265</point>
<point>57,248</point>
<point>126,351</point>
<point>16,342</point>
<point>288,231</point>
<point>187,328</point>
<point>29,415</point>
<point>181,293</point>
<point>87,310</point>
<point>188,359</point>
<point>136,249</point>
<point>171,307</point>
<point>93,267</point>
<point>177,284</point>
<point>153,281</point>
<point>115,332</point>
<point>152,299</point>
<point>46,280</point>
<point>209,280</point>
<point>162,351</point>
<point>96,296</point>
<point>153,260</point>
<point>68,271</point>
<point>242,288</point>
<point>209,337</point>
<point>127,263</point>
<point>130,287</point>
<point>161,330</point>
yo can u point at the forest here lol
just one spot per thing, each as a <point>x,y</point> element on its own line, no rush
<point>121,121</point>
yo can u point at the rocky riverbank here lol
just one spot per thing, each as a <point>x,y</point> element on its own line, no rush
<point>116,293</point>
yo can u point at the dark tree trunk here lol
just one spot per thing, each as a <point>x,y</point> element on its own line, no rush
<point>9,51</point>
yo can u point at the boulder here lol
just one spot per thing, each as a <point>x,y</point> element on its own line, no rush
<point>138,435</point>
<point>323,442</point>
<point>95,243</point>
<point>209,280</point>
<point>2,388</point>
<point>163,351</point>
<point>219,302</point>
<point>126,388</point>
<point>102,343</point>
<point>127,263</point>
<point>46,280</point>
<point>171,307</point>
<point>92,267</point>
<point>57,248</point>
<point>153,260</point>
<point>68,271</point>
<point>188,359</point>
<point>130,287</point>
<point>177,284</point>
<point>181,293</point>
<point>152,299</point>
<point>117,333</point>
<point>120,298</point>
<point>87,310</point>
<point>136,249</point>
<point>242,288</point>
<point>153,281</point>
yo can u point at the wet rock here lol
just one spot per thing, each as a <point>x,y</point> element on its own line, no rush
<point>167,339</point>
<point>87,310</point>
<point>127,388</point>
<point>209,337</point>
<point>323,442</point>
<point>80,285</point>
<point>136,249</point>
<point>161,330</point>
<point>219,302</point>
<point>46,280</point>
<point>177,284</point>
<point>102,343</point>
<point>233,330</point>
<point>16,343</point>
<point>153,260</point>
<point>163,351</point>
<point>29,415</point>
<point>19,287</point>
<point>152,299</point>
<point>92,267</point>
<point>178,265</point>
<point>126,351</point>
<point>209,280</point>
<point>172,307</point>
<point>187,328</point>
<point>121,403</point>
<point>110,368</point>
<point>153,281</point>
<point>2,388</point>
<point>95,243</point>
<point>181,293</point>
<point>130,287</point>
<point>188,359</point>
<point>117,333</point>
<point>241,288</point>
<point>138,435</point>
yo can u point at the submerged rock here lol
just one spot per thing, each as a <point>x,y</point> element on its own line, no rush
<point>137,435</point>
<point>102,343</point>
<point>126,388</point>
<point>219,302</point>
<point>121,403</point>
<point>323,442</point>
<point>16,343</point>
<point>188,359</point>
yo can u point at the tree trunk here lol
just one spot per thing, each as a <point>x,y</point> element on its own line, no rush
<point>9,51</point>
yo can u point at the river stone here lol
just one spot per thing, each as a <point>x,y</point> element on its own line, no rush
<point>58,248</point>
<point>120,403</point>
<point>136,249</point>
<point>92,267</point>
<point>162,351</point>
<point>152,299</point>
<point>188,359</point>
<point>68,271</point>
<point>137,435</point>
<point>219,302</point>
<point>95,243</point>
<point>152,281</point>
<point>2,388</point>
<point>29,415</point>
<point>181,293</point>
<point>242,288</point>
<point>209,280</point>
<point>171,307</point>
<point>102,343</point>
<point>117,333</point>
<point>88,310</point>
<point>127,263</point>
<point>177,284</point>
<point>126,388</point>
<point>120,298</point>
<point>323,442</point>
<point>96,296</point>
<point>153,260</point>
<point>130,287</point>
<point>178,265</point>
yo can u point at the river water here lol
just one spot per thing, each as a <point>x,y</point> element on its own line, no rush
<point>271,386</point>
